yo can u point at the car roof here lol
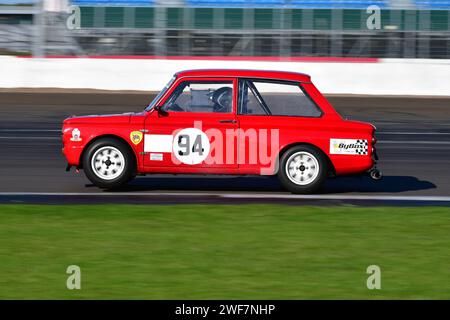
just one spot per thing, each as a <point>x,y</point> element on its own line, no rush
<point>244,73</point>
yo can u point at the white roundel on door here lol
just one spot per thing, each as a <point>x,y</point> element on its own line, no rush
<point>191,146</point>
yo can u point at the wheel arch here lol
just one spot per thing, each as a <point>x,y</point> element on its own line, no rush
<point>111,136</point>
<point>330,166</point>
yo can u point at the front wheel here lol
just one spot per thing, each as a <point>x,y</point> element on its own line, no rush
<point>303,169</point>
<point>108,163</point>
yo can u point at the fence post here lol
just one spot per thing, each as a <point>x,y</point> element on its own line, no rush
<point>249,24</point>
<point>308,28</point>
<point>160,26</point>
<point>409,41</point>
<point>38,43</point>
<point>424,38</point>
<point>336,35</point>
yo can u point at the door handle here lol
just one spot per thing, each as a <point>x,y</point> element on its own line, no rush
<point>228,121</point>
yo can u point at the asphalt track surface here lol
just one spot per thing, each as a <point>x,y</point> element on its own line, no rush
<point>414,150</point>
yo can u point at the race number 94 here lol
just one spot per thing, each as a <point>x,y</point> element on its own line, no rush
<point>191,146</point>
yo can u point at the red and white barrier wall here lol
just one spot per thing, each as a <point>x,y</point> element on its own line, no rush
<point>331,75</point>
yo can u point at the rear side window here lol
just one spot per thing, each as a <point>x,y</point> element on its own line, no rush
<point>277,98</point>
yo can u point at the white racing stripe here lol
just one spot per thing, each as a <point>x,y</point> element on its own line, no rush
<point>167,148</point>
<point>238,196</point>
<point>165,143</point>
<point>378,132</point>
<point>158,142</point>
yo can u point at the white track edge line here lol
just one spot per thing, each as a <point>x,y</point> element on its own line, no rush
<point>239,196</point>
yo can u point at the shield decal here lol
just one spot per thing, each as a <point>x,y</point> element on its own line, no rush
<point>136,137</point>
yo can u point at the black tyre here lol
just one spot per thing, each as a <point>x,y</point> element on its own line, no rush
<point>303,169</point>
<point>108,163</point>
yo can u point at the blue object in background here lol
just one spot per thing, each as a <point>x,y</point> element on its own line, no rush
<point>120,3</point>
<point>316,4</point>
<point>305,4</point>
<point>16,2</point>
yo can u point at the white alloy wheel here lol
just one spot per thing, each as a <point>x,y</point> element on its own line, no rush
<point>302,168</point>
<point>108,163</point>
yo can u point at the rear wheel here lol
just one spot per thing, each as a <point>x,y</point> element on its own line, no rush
<point>303,169</point>
<point>108,163</point>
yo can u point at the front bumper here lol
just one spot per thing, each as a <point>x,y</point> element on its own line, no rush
<point>72,154</point>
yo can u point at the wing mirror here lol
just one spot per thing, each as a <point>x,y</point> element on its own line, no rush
<point>160,110</point>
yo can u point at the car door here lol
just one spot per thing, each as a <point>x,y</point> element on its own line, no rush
<point>195,129</point>
<point>271,114</point>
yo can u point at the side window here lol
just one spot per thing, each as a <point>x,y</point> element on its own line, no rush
<point>278,98</point>
<point>201,96</point>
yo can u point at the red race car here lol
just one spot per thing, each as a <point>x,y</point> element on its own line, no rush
<point>236,122</point>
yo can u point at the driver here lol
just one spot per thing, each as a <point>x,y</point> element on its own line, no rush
<point>222,99</point>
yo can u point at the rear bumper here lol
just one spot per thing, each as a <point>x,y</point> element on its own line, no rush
<point>352,164</point>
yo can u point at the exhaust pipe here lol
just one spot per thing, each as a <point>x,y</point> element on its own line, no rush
<point>375,174</point>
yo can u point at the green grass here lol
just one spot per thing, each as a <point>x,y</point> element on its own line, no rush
<point>223,252</point>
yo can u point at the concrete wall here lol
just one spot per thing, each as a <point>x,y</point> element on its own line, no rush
<point>377,77</point>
